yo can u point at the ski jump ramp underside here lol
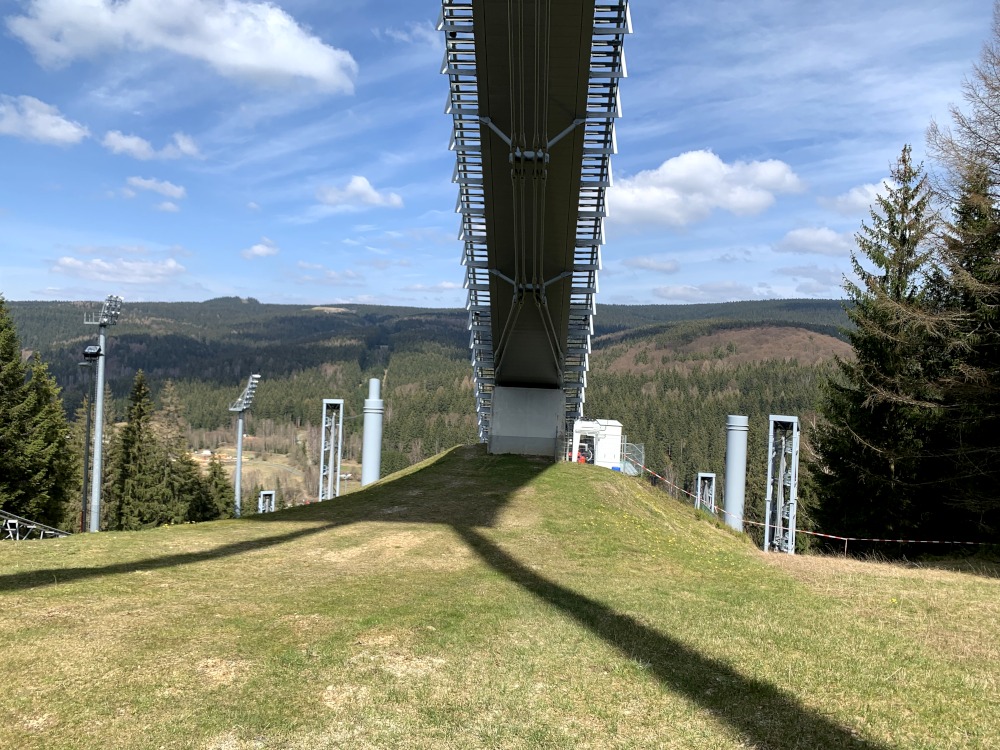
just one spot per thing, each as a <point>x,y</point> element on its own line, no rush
<point>533,93</point>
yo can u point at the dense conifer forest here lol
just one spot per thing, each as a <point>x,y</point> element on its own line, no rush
<point>670,374</point>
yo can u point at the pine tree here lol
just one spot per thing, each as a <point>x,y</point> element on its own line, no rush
<point>971,258</point>
<point>871,453</point>
<point>140,480</point>
<point>36,464</point>
<point>51,465</point>
<point>218,499</point>
<point>12,415</point>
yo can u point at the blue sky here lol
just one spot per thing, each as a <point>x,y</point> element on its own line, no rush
<point>297,151</point>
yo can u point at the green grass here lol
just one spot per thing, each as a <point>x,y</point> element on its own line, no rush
<point>486,602</point>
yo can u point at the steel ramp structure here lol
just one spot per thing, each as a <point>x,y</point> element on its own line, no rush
<point>17,528</point>
<point>533,95</point>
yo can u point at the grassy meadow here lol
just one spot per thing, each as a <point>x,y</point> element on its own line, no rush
<point>478,601</point>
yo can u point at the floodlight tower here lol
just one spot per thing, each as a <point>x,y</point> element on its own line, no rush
<point>240,406</point>
<point>108,317</point>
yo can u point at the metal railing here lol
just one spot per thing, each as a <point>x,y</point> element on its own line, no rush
<point>17,528</point>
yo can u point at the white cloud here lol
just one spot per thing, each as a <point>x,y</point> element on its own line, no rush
<point>168,207</point>
<point>164,188</point>
<point>444,286</point>
<point>417,33</point>
<point>262,249</point>
<point>816,241</point>
<point>118,143</point>
<point>183,145</point>
<point>139,148</point>
<point>238,38</point>
<point>34,120</point>
<point>120,270</point>
<point>358,194</point>
<point>857,200</point>
<point>687,188</point>
<point>252,206</point>
<point>813,279</point>
<point>721,291</point>
<point>657,265</point>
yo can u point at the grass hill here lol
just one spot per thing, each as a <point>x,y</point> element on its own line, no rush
<point>477,601</point>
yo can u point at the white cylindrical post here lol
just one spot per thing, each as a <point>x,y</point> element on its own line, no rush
<point>95,488</point>
<point>737,428</point>
<point>371,450</point>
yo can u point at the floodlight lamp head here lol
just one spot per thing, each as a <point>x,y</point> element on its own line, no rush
<point>245,401</point>
<point>111,310</point>
<point>92,353</point>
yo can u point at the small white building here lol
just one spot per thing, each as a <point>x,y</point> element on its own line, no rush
<point>599,442</point>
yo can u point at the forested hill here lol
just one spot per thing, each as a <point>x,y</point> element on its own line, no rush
<point>820,315</point>
<point>669,373</point>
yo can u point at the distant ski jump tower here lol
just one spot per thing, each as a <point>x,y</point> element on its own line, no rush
<point>533,98</point>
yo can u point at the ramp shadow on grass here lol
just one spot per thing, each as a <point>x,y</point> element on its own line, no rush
<point>439,494</point>
<point>435,494</point>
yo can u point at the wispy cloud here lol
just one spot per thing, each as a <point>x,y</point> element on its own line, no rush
<point>255,41</point>
<point>444,286</point>
<point>721,291</point>
<point>416,33</point>
<point>857,200</point>
<point>816,241</point>
<point>33,120</point>
<point>164,188</point>
<point>139,148</point>
<point>657,265</point>
<point>119,270</point>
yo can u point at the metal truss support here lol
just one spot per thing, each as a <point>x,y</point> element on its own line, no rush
<point>782,484</point>
<point>331,448</point>
<point>612,21</point>
<point>265,501</point>
<point>16,528</point>
<point>704,496</point>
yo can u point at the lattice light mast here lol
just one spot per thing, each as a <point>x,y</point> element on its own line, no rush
<point>331,448</point>
<point>705,492</point>
<point>782,484</point>
<point>108,317</point>
<point>241,406</point>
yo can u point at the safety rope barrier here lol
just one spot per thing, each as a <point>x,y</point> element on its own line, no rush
<point>844,539</point>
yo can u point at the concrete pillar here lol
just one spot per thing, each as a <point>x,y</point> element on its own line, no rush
<point>371,448</point>
<point>737,428</point>
<point>527,421</point>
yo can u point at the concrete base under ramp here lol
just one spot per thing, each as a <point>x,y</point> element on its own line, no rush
<point>527,421</point>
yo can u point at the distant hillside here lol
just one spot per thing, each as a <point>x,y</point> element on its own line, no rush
<point>820,315</point>
<point>669,373</point>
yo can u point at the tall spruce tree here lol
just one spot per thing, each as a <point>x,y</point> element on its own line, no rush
<point>36,463</point>
<point>969,155</point>
<point>141,489</point>
<point>871,454</point>
<point>971,386</point>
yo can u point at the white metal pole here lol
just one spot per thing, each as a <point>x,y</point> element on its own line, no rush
<point>95,488</point>
<point>239,462</point>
